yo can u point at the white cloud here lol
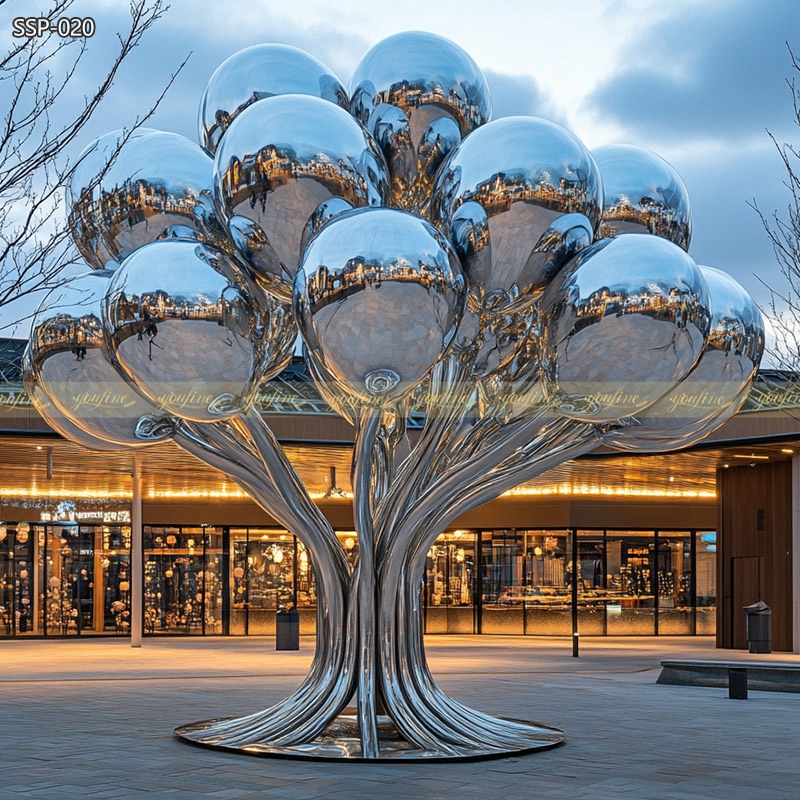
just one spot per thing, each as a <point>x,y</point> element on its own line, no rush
<point>698,83</point>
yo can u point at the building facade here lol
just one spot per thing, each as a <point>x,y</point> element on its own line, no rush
<point>609,544</point>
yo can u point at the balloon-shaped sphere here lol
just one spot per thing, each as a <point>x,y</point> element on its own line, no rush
<point>258,72</point>
<point>378,296</point>
<point>643,194</point>
<point>517,197</point>
<point>54,417</point>
<point>717,386</point>
<point>126,193</point>
<point>623,322</point>
<point>193,330</point>
<point>81,211</point>
<point>418,94</point>
<point>280,160</point>
<point>66,362</point>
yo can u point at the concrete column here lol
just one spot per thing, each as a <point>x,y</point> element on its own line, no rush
<point>137,556</point>
<point>796,553</point>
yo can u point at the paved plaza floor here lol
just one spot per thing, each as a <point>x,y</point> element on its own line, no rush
<point>94,719</point>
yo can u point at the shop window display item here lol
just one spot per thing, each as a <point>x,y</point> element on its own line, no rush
<point>431,259</point>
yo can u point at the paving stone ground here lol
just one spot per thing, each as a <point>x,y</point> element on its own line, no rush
<point>94,719</point>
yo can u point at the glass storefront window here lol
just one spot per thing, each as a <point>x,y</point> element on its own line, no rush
<point>19,608</point>
<point>68,578</point>
<point>269,569</point>
<point>675,583</point>
<point>85,586</point>
<point>114,560</point>
<point>7,582</point>
<point>63,591</point>
<point>449,584</point>
<point>547,578</point>
<point>526,582</point>
<point>630,564</point>
<point>595,584</point>
<point>213,585</point>
<point>182,576</point>
<point>705,572</point>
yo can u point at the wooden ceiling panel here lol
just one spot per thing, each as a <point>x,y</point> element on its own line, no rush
<point>170,473</point>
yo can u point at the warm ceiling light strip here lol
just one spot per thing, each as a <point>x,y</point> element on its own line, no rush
<point>605,491</point>
<point>84,494</point>
<point>752,457</point>
<point>233,494</point>
<point>216,494</point>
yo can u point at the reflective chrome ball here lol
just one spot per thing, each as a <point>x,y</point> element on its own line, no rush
<point>54,417</point>
<point>643,194</point>
<point>717,386</point>
<point>517,197</point>
<point>378,295</point>
<point>129,192</point>
<point>418,94</point>
<point>81,207</point>
<point>280,160</point>
<point>258,72</point>
<point>622,324</point>
<point>66,363</point>
<point>193,330</point>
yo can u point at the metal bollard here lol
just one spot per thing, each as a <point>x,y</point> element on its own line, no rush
<point>737,683</point>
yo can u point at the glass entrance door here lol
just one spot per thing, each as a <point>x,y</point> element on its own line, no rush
<point>19,610</point>
<point>265,572</point>
<point>449,591</point>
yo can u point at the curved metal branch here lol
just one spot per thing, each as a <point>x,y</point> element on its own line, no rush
<point>448,405</point>
<point>260,467</point>
<point>362,492</point>
<point>422,704</point>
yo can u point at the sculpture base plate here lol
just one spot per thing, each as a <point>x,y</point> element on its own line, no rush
<point>340,742</point>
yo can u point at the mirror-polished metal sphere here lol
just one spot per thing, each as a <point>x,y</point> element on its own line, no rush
<point>53,416</point>
<point>193,330</point>
<point>66,362</point>
<point>280,160</point>
<point>129,192</point>
<point>623,323</point>
<point>81,213</point>
<point>378,296</point>
<point>418,94</point>
<point>258,72</point>
<point>643,194</point>
<point>717,386</point>
<point>517,197</point>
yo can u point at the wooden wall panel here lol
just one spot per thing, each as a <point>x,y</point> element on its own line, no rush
<point>755,550</point>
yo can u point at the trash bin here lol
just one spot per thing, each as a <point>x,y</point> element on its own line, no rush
<point>759,627</point>
<point>287,629</point>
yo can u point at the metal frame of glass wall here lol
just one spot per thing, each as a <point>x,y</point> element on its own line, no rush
<point>64,579</point>
<point>186,582</point>
<point>229,580</point>
<point>592,582</point>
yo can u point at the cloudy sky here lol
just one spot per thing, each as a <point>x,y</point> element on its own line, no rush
<point>697,82</point>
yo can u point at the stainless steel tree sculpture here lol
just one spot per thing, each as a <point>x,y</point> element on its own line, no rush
<point>480,271</point>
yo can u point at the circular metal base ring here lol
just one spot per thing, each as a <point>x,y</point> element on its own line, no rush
<point>340,742</point>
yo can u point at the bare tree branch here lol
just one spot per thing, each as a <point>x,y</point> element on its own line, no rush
<point>783,230</point>
<point>40,125</point>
